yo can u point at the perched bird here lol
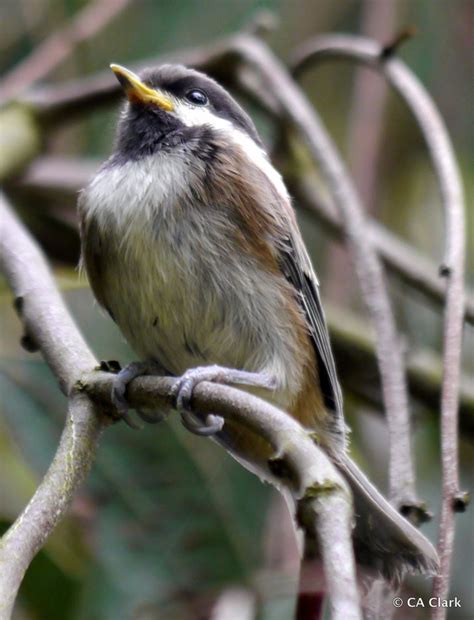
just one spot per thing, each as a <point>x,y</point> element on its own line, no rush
<point>191,245</point>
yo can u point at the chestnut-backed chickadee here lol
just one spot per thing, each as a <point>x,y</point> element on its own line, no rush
<point>191,244</point>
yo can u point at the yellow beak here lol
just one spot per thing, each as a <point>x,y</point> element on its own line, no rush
<point>137,91</point>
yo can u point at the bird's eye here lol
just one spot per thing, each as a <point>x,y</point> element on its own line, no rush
<point>197,97</point>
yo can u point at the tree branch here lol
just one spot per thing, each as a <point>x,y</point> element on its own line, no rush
<point>49,325</point>
<point>70,466</point>
<point>452,267</point>
<point>321,494</point>
<point>93,18</point>
<point>297,112</point>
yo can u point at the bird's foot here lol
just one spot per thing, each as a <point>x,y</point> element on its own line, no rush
<point>110,366</point>
<point>119,389</point>
<point>217,374</point>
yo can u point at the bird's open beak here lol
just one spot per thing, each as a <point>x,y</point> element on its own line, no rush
<point>137,91</point>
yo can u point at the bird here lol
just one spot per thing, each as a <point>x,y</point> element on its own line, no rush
<point>190,243</point>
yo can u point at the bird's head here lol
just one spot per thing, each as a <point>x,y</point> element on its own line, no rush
<point>167,105</point>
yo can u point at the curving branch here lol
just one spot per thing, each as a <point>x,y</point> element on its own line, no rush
<point>447,173</point>
<point>310,473</point>
<point>297,112</point>
<point>49,327</point>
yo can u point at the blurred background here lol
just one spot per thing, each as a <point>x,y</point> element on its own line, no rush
<point>168,525</point>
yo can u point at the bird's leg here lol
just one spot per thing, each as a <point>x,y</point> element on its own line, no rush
<point>217,374</point>
<point>119,388</point>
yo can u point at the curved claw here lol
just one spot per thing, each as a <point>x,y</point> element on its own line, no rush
<point>129,421</point>
<point>119,388</point>
<point>213,424</point>
<point>184,390</point>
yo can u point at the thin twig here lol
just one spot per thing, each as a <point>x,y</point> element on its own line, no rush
<point>452,267</point>
<point>398,256</point>
<point>93,18</point>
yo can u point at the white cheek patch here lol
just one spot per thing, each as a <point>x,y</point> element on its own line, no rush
<point>193,116</point>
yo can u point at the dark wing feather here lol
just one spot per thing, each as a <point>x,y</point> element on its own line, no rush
<point>296,267</point>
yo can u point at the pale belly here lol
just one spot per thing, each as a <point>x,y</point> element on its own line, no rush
<point>193,304</point>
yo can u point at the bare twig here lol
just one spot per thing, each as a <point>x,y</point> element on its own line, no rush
<point>369,53</point>
<point>55,49</point>
<point>447,173</point>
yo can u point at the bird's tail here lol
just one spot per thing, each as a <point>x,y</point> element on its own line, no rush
<point>384,540</point>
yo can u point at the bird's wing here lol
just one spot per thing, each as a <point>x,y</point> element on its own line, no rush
<point>297,269</point>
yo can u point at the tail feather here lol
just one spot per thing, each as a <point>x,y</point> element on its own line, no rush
<point>384,540</point>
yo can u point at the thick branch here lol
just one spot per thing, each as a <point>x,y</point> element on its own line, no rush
<point>322,496</point>
<point>70,466</point>
<point>447,174</point>
<point>50,327</point>
<point>44,315</point>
